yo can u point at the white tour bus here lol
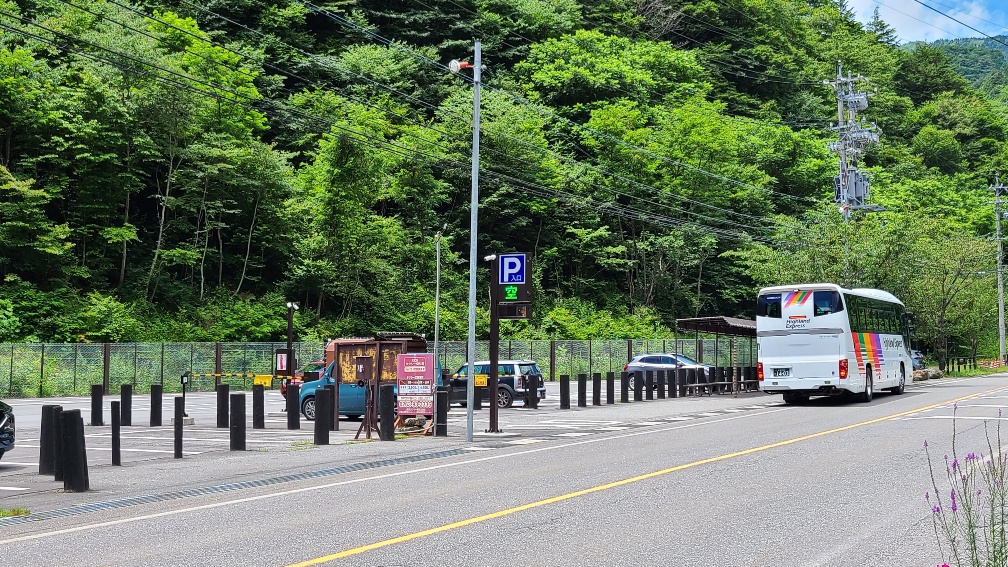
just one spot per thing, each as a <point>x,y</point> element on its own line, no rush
<point>822,339</point>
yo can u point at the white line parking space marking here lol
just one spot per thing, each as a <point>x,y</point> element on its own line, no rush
<point>679,418</point>
<point>572,434</point>
<point>646,423</point>
<point>612,428</point>
<point>12,488</point>
<point>526,441</point>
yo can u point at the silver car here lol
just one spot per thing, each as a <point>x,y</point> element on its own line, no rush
<point>663,361</point>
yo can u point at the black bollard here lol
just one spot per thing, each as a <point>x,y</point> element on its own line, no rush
<point>386,413</point>
<point>661,384</point>
<point>96,404</point>
<point>75,472</point>
<point>624,388</point>
<point>322,421</point>
<point>582,390</point>
<point>237,425</point>
<point>532,392</point>
<point>126,406</point>
<point>610,387</point>
<point>331,418</point>
<point>478,397</point>
<point>680,377</point>
<point>441,412</point>
<point>258,407</point>
<point>596,389</point>
<point>156,391</point>
<point>116,434</point>
<point>691,379</point>
<point>222,405</point>
<point>57,441</point>
<point>179,416</point>
<point>564,391</point>
<point>47,439</point>
<point>335,407</point>
<point>638,386</point>
<point>293,411</point>
<point>649,385</point>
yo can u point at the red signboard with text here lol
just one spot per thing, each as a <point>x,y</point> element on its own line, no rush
<point>415,377</point>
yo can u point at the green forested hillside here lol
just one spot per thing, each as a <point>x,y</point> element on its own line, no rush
<point>178,170</point>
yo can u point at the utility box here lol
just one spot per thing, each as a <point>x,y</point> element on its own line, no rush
<point>382,350</point>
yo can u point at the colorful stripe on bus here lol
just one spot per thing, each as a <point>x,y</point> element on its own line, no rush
<point>796,298</point>
<point>868,348</point>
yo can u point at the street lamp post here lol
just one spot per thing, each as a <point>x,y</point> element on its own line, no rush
<point>291,308</point>
<point>476,66</point>
<point>437,292</point>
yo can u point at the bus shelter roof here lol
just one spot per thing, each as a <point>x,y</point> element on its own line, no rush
<point>718,325</point>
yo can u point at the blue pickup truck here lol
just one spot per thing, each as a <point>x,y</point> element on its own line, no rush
<point>351,396</point>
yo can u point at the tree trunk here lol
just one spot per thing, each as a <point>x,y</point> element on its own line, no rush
<point>248,247</point>
<point>172,166</point>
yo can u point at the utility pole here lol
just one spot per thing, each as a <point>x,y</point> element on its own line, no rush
<point>850,186</point>
<point>476,66</point>
<point>998,188</point>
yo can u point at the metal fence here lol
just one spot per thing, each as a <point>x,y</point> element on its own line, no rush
<point>69,369</point>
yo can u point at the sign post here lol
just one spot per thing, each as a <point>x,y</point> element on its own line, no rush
<point>510,298</point>
<point>415,378</point>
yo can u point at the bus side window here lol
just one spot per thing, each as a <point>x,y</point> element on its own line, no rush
<point>826,302</point>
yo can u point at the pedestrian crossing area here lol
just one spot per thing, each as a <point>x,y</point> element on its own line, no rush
<point>555,428</point>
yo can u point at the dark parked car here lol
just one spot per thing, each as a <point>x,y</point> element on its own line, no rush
<point>6,428</point>
<point>306,373</point>
<point>512,375</point>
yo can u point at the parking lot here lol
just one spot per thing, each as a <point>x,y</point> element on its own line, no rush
<point>140,442</point>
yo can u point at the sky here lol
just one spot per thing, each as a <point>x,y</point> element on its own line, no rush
<point>915,22</point>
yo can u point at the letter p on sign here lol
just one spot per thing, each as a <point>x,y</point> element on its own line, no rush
<point>512,269</point>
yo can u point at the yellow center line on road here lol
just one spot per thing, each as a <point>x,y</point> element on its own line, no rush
<point>602,487</point>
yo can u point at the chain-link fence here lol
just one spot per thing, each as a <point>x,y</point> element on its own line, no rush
<point>587,357</point>
<point>41,370</point>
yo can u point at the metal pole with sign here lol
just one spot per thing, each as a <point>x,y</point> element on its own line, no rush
<point>494,345</point>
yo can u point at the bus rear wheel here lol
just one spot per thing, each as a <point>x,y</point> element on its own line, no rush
<point>902,385</point>
<point>866,396</point>
<point>795,398</point>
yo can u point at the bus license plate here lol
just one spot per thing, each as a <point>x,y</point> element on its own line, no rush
<point>781,372</point>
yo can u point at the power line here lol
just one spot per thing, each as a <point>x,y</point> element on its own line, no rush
<point>618,210</point>
<point>937,11</point>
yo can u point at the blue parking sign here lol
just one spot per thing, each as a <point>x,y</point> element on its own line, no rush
<point>512,269</point>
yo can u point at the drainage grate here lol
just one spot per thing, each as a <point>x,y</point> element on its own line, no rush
<point>191,492</point>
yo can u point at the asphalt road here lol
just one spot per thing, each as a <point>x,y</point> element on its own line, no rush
<point>698,481</point>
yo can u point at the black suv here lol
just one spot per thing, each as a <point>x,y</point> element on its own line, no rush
<point>6,428</point>
<point>512,375</point>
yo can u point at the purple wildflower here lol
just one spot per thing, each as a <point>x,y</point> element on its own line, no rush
<point>971,456</point>
<point>955,463</point>
<point>936,509</point>
<point>927,496</point>
<point>954,507</point>
<point>978,492</point>
<point>925,443</point>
